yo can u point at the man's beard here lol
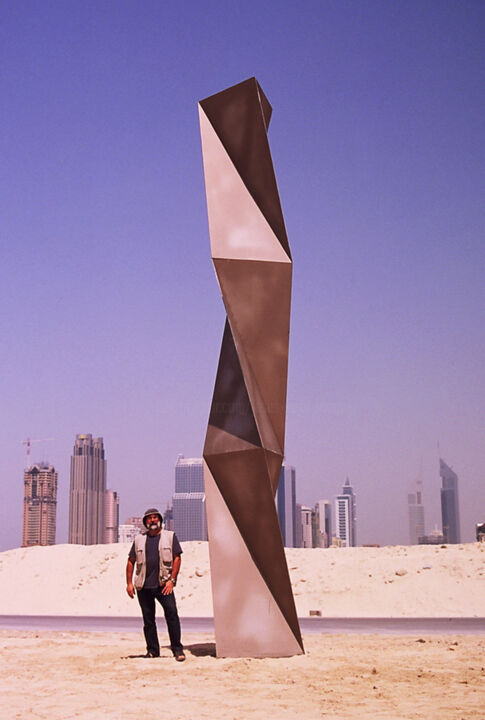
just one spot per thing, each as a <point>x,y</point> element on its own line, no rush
<point>154,526</point>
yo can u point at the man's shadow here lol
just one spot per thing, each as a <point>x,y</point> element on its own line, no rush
<point>196,649</point>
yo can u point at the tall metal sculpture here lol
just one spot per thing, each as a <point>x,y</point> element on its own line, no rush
<point>254,609</point>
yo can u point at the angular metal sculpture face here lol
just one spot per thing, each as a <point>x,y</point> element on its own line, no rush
<point>254,610</point>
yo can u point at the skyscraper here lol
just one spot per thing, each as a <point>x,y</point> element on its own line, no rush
<point>111,516</point>
<point>322,524</point>
<point>345,516</point>
<point>286,504</point>
<point>40,501</point>
<point>450,515</point>
<point>306,524</point>
<point>87,491</point>
<point>416,516</point>
<point>188,501</point>
<point>298,527</point>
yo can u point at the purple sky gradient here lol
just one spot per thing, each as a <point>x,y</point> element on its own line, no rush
<point>111,317</point>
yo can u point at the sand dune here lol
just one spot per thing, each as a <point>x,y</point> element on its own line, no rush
<point>417,581</point>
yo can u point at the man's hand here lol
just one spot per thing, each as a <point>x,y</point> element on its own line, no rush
<point>167,588</point>
<point>129,577</point>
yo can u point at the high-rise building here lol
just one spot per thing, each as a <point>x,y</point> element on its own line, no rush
<point>416,515</point>
<point>450,515</point>
<point>188,500</point>
<point>298,527</point>
<point>306,524</point>
<point>345,516</point>
<point>111,516</point>
<point>168,518</point>
<point>286,504</point>
<point>322,524</point>
<point>40,501</point>
<point>87,492</point>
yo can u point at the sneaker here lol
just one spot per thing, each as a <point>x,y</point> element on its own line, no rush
<point>179,655</point>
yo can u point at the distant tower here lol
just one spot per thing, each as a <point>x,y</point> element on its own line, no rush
<point>286,504</point>
<point>306,523</point>
<point>168,517</point>
<point>111,516</point>
<point>416,513</point>
<point>298,527</point>
<point>322,524</point>
<point>87,492</point>
<point>188,501</point>
<point>345,516</point>
<point>40,501</point>
<point>450,515</point>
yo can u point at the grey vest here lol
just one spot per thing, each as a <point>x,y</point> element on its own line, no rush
<point>166,557</point>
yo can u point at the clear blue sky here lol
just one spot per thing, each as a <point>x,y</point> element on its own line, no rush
<point>111,318</point>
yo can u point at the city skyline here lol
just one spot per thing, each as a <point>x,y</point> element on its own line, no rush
<point>188,485</point>
<point>111,319</point>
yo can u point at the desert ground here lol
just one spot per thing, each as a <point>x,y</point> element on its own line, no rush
<point>56,675</point>
<point>60,676</point>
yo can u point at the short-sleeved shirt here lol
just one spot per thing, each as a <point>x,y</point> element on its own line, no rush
<point>152,557</point>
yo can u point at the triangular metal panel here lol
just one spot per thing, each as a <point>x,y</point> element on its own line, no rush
<point>247,619</point>
<point>237,117</point>
<point>231,409</point>
<point>242,479</point>
<point>273,463</point>
<point>238,228</point>
<point>257,300</point>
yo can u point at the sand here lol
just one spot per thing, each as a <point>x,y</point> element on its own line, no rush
<point>56,675</point>
<point>398,581</point>
<point>94,676</point>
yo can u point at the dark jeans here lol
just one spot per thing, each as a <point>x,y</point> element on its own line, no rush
<point>146,598</point>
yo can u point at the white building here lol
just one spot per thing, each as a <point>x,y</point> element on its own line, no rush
<point>345,516</point>
<point>127,532</point>
<point>306,523</point>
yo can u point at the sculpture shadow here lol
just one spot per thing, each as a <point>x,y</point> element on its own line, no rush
<point>202,649</point>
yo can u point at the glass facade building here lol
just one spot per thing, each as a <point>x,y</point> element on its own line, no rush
<point>450,514</point>
<point>286,505</point>
<point>188,500</point>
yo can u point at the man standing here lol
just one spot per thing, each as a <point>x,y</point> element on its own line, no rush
<point>156,553</point>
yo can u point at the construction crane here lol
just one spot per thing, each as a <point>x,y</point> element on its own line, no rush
<point>28,442</point>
